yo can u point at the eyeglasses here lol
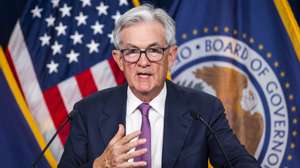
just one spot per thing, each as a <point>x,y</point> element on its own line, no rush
<point>153,54</point>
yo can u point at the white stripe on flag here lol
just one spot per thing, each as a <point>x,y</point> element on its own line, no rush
<point>103,76</point>
<point>69,92</point>
<point>32,91</point>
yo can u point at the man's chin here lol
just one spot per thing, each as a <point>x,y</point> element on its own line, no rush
<point>144,90</point>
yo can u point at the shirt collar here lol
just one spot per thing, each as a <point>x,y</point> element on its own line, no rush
<point>132,102</point>
<point>156,104</point>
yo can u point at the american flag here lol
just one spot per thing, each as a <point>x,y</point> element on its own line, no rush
<point>60,51</point>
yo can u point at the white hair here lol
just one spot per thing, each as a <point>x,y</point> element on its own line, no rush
<point>144,13</point>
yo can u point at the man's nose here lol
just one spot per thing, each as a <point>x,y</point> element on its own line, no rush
<point>143,61</point>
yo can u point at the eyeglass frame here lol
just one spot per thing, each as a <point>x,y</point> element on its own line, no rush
<point>144,50</point>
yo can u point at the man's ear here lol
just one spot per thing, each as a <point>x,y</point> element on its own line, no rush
<point>118,59</point>
<point>172,55</point>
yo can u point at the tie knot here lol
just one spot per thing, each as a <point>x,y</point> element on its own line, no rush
<point>144,108</point>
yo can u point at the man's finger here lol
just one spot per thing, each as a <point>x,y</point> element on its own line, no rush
<point>130,137</point>
<point>133,144</point>
<point>118,135</point>
<point>133,164</point>
<point>133,154</point>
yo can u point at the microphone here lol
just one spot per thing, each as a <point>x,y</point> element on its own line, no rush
<point>61,126</point>
<point>198,116</point>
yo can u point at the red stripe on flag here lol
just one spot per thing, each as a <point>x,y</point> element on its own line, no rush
<point>12,68</point>
<point>118,74</point>
<point>57,111</point>
<point>86,83</point>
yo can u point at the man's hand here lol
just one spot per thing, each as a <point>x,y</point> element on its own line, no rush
<point>117,152</point>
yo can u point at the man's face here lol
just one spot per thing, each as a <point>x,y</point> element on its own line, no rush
<point>145,78</point>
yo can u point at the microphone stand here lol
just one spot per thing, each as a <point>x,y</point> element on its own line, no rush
<point>62,125</point>
<point>198,116</point>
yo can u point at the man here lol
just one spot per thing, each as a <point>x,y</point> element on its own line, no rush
<point>163,128</point>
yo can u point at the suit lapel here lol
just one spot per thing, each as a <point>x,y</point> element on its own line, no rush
<point>114,113</point>
<point>177,122</point>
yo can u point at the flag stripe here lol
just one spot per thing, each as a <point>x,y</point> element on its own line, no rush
<point>57,110</point>
<point>102,75</point>
<point>118,74</point>
<point>86,83</point>
<point>32,92</point>
<point>69,92</point>
<point>12,68</point>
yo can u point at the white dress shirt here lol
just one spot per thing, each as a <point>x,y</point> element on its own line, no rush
<point>156,118</point>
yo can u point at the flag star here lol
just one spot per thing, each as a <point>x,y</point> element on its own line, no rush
<point>45,39</point>
<point>61,29</point>
<point>86,3</point>
<point>54,3</point>
<point>65,10</point>
<point>36,12</point>
<point>102,9</point>
<point>116,16</point>
<point>123,2</point>
<point>97,28</point>
<point>77,38</point>
<point>72,56</point>
<point>53,67</point>
<point>110,36</point>
<point>56,48</point>
<point>50,21</point>
<point>81,19</point>
<point>93,47</point>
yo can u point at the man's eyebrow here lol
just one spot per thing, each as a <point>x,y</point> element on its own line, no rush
<point>132,46</point>
<point>153,45</point>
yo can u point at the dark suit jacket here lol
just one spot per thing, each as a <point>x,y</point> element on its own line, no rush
<point>187,142</point>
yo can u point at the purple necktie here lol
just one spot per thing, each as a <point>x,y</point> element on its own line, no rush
<point>145,133</point>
